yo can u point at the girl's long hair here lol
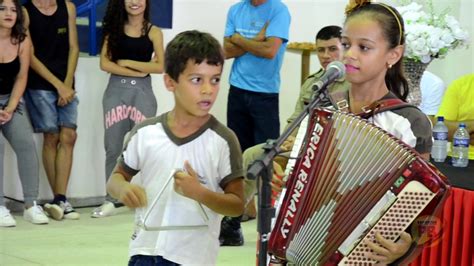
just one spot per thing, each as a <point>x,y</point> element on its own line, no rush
<point>393,29</point>
<point>18,33</point>
<point>114,22</point>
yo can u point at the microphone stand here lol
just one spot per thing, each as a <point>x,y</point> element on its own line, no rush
<point>263,168</point>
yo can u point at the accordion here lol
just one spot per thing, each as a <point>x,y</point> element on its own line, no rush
<point>350,180</point>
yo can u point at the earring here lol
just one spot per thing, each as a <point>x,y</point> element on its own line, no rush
<point>389,65</point>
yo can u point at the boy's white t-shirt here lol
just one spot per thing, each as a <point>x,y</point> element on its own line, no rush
<point>152,149</point>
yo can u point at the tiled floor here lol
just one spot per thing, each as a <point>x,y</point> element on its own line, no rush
<point>90,241</point>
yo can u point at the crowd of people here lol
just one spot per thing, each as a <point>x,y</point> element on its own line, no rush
<point>37,95</point>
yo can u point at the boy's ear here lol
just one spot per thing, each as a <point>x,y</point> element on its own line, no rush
<point>170,83</point>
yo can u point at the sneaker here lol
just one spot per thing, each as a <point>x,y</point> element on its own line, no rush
<point>231,232</point>
<point>104,210</point>
<point>6,219</point>
<point>69,212</point>
<point>35,215</point>
<point>54,211</point>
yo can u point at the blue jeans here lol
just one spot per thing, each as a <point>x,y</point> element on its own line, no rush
<point>253,116</point>
<point>45,113</point>
<point>142,260</point>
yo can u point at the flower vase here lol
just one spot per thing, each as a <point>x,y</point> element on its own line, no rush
<point>413,72</point>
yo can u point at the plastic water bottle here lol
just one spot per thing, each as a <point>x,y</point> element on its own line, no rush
<point>440,135</point>
<point>461,147</point>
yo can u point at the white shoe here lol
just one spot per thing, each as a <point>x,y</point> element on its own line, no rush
<point>35,215</point>
<point>6,219</point>
<point>54,211</point>
<point>68,210</point>
<point>104,210</point>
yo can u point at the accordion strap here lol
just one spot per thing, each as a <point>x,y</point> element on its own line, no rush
<point>339,100</point>
<point>383,105</point>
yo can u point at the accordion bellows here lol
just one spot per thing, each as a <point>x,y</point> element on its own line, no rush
<point>350,180</point>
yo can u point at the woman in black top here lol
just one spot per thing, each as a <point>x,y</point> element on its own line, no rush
<point>132,49</point>
<point>14,124</point>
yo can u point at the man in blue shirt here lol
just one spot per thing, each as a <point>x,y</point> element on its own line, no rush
<point>256,35</point>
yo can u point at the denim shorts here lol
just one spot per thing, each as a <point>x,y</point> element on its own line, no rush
<point>45,113</point>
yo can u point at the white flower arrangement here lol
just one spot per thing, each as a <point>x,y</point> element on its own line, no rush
<point>430,35</point>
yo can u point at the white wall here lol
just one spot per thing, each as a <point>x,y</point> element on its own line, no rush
<point>87,178</point>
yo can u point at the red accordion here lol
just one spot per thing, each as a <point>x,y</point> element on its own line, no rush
<point>350,180</point>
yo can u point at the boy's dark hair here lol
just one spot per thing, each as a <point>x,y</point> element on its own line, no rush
<point>195,45</point>
<point>18,33</point>
<point>329,32</point>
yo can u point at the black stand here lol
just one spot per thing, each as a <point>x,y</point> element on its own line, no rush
<point>263,167</point>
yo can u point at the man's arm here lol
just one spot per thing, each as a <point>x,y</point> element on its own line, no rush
<point>156,65</point>
<point>231,50</point>
<point>73,44</point>
<point>267,48</point>
<point>66,94</point>
<point>268,41</point>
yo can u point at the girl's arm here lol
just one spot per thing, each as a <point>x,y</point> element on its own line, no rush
<point>109,66</point>
<point>156,65</point>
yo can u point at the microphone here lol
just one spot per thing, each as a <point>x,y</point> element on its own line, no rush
<point>335,70</point>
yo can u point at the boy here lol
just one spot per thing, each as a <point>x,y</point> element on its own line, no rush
<point>186,137</point>
<point>50,96</point>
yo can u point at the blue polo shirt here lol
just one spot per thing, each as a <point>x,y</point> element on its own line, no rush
<point>252,72</point>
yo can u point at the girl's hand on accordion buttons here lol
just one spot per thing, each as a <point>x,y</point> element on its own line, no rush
<point>187,182</point>
<point>389,251</point>
<point>277,180</point>
<point>133,196</point>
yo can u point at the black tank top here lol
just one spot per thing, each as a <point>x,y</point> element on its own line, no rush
<point>8,73</point>
<point>50,37</point>
<point>136,48</point>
